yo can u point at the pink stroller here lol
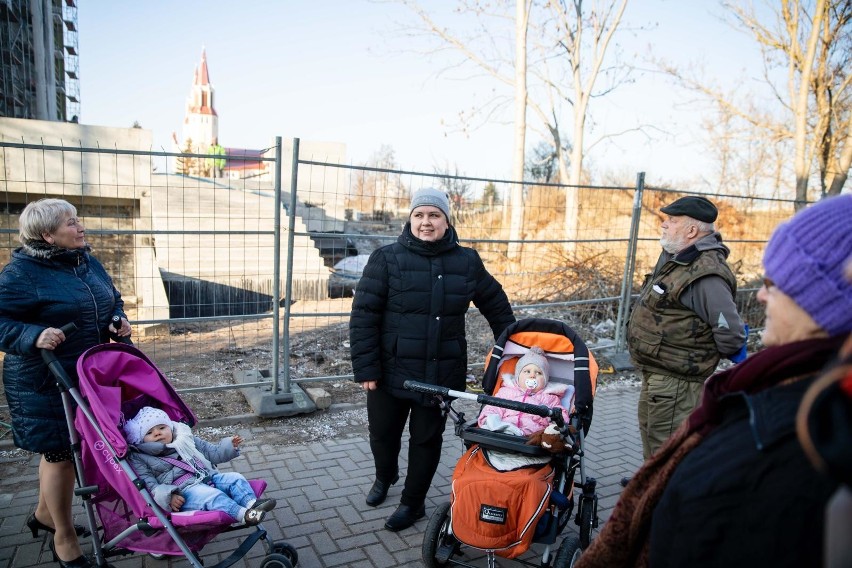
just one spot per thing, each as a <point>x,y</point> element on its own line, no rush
<point>115,380</point>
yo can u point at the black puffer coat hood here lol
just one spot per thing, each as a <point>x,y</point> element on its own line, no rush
<point>408,315</point>
<point>45,287</point>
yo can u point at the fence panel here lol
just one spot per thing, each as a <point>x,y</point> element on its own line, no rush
<point>196,258</point>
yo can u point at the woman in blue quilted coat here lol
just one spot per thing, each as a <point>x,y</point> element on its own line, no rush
<point>408,322</point>
<point>51,280</point>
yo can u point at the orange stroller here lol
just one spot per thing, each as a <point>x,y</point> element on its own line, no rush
<point>506,493</point>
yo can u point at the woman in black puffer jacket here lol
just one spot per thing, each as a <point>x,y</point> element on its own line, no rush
<point>408,323</point>
<point>51,281</point>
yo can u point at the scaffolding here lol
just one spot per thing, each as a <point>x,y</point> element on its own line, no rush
<point>71,58</point>
<point>39,62</point>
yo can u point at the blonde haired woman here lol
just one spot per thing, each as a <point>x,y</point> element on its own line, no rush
<point>50,281</point>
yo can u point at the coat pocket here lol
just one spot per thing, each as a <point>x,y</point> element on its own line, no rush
<point>645,343</point>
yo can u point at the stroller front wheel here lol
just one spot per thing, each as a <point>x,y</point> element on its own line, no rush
<point>438,544</point>
<point>287,550</point>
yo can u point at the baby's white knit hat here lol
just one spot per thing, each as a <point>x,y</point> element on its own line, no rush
<point>147,417</point>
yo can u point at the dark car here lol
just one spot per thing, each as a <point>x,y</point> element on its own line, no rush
<point>345,275</point>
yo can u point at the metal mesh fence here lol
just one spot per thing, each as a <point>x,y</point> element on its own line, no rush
<point>222,275</point>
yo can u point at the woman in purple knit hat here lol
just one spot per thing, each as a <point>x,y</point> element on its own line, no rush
<point>732,486</point>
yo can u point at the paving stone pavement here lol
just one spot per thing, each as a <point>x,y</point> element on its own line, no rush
<point>320,488</point>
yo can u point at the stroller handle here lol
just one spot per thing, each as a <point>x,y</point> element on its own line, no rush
<point>116,323</point>
<point>426,388</point>
<point>554,413</point>
<point>52,362</point>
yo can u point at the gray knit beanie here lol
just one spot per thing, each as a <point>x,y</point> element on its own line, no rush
<point>433,197</point>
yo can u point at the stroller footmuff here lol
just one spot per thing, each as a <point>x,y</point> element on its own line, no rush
<point>498,510</point>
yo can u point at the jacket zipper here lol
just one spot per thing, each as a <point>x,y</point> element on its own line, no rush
<point>94,303</point>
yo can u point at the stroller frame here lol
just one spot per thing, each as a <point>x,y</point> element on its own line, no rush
<point>279,555</point>
<point>440,546</point>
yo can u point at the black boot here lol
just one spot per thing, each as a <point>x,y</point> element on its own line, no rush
<point>404,517</point>
<point>379,491</point>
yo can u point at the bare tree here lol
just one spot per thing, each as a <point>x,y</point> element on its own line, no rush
<point>584,37</point>
<point>811,41</point>
<point>746,161</point>
<point>379,189</point>
<point>458,190</point>
<point>480,45</point>
<point>568,57</point>
<point>522,20</point>
<point>834,98</point>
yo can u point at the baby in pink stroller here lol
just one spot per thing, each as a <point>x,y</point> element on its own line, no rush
<point>136,500</point>
<point>179,469</point>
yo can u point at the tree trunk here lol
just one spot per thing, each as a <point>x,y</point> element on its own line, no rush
<point>838,174</point>
<point>517,192</point>
<point>801,161</point>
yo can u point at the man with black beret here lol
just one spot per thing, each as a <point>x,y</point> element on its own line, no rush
<point>685,319</point>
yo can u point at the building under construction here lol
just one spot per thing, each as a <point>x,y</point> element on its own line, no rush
<point>39,67</point>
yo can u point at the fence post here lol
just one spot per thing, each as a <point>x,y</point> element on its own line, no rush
<point>276,269</point>
<point>291,230</point>
<point>629,266</point>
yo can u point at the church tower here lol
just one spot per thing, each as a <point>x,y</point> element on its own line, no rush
<point>201,123</point>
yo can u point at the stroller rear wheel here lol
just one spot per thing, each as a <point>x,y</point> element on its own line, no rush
<point>438,544</point>
<point>569,552</point>
<point>287,550</point>
<point>275,561</point>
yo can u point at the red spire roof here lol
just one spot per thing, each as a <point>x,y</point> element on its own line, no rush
<point>202,90</point>
<point>202,76</point>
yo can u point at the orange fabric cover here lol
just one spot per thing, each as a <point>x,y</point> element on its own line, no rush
<point>494,510</point>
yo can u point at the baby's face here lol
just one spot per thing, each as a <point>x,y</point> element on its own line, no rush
<point>532,378</point>
<point>159,433</point>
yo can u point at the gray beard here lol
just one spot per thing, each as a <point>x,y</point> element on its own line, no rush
<point>671,247</point>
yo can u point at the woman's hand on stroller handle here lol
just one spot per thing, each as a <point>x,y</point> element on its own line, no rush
<point>50,338</point>
<point>52,362</point>
<point>119,330</point>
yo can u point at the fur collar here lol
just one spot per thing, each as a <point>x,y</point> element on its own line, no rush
<point>47,251</point>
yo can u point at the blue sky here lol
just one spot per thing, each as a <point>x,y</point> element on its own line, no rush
<point>336,70</point>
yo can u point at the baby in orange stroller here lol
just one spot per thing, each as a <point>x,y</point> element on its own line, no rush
<point>510,491</point>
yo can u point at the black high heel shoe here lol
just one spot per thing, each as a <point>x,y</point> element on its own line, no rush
<point>35,525</point>
<point>81,561</point>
